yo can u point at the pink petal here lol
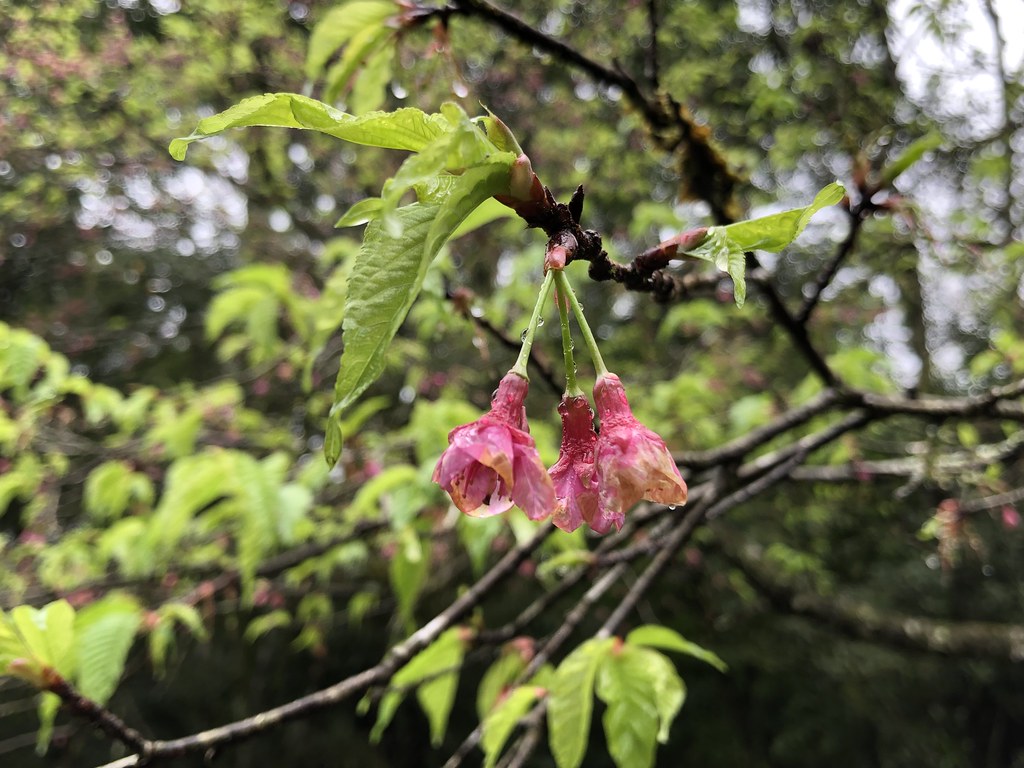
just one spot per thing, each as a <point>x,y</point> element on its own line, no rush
<point>533,491</point>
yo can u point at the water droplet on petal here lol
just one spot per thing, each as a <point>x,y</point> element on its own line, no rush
<point>672,506</point>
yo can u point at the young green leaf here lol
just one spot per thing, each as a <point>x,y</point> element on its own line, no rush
<point>104,633</point>
<point>488,211</point>
<point>333,439</point>
<point>502,720</point>
<point>360,213</point>
<point>498,677</point>
<point>111,486</point>
<point>725,247</point>
<point>669,688</point>
<point>363,47</point>
<point>369,88</point>
<point>385,281</point>
<point>775,232</point>
<point>655,636</point>
<point>625,683</point>
<point>408,571</point>
<point>571,702</point>
<point>49,706</point>
<point>407,128</point>
<point>339,25</point>
<point>471,188</point>
<point>437,664</point>
<point>389,272</point>
<point>40,637</point>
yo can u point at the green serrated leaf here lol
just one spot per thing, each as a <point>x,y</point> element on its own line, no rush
<point>571,702</point>
<point>437,696</point>
<point>471,189</point>
<point>489,210</point>
<point>669,688</point>
<point>406,128</point>
<point>408,571</point>
<point>445,653</point>
<point>369,89</point>
<point>775,232</point>
<point>385,281</point>
<point>104,633</point>
<point>654,636</point>
<point>108,490</point>
<point>49,706</point>
<point>29,627</point>
<point>625,684</point>
<point>363,46</point>
<point>502,720</point>
<point>726,246</point>
<point>44,637</point>
<point>261,625</point>
<point>360,213</point>
<point>333,440</point>
<point>498,677</point>
<point>339,25</point>
<point>366,501</point>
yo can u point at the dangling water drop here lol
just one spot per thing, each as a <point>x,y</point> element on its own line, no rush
<point>671,506</point>
<point>540,321</point>
<point>523,335</point>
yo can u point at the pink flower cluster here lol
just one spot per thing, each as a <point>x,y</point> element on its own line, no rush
<point>492,463</point>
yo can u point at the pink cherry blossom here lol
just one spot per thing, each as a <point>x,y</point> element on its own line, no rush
<point>492,463</point>
<point>632,462</point>
<point>573,473</point>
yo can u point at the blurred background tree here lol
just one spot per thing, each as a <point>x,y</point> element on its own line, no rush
<point>869,606</point>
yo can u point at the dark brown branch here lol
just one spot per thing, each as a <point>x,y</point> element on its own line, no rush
<point>804,446</point>
<point>864,621</point>
<point>826,275</point>
<point>87,709</point>
<point>917,467</point>
<point>991,403</point>
<point>793,328</point>
<point>151,751</point>
<point>702,168</point>
<point>755,438</point>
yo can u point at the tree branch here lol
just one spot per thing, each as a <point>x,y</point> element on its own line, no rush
<point>864,621</point>
<point>151,751</point>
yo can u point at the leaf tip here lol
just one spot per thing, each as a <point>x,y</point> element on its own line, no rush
<point>178,148</point>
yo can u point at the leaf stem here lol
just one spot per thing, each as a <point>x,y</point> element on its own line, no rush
<point>588,335</point>
<point>524,354</point>
<point>572,389</point>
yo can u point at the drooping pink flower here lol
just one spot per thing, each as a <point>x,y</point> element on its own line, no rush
<point>492,463</point>
<point>631,461</point>
<point>573,473</point>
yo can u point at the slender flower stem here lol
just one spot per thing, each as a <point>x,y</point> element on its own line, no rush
<point>524,354</point>
<point>588,335</point>
<point>572,389</point>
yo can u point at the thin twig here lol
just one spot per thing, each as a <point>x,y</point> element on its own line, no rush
<point>327,697</point>
<point>826,275</point>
